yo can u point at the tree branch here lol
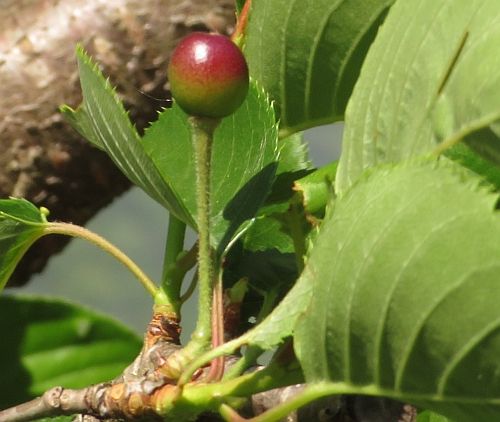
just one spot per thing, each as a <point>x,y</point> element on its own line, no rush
<point>144,385</point>
<point>55,402</point>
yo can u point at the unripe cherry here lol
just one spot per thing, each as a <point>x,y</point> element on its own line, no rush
<point>208,75</point>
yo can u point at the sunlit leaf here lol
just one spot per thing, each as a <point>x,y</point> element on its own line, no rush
<point>429,81</point>
<point>316,188</point>
<point>467,157</point>
<point>406,292</point>
<point>294,163</point>
<point>308,54</point>
<point>245,156</point>
<point>21,224</point>
<point>102,119</point>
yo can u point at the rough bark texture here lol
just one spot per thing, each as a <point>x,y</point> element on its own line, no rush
<point>41,157</point>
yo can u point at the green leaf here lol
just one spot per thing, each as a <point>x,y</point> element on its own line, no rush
<point>294,155</point>
<point>464,155</point>
<point>267,259</point>
<point>21,224</point>
<point>268,233</point>
<point>429,80</point>
<point>46,343</point>
<point>316,188</point>
<point>308,53</point>
<point>102,119</point>
<point>264,258</point>
<point>281,323</point>
<point>294,163</point>
<point>276,327</point>
<point>239,5</point>
<point>21,210</point>
<point>244,162</point>
<point>428,416</point>
<point>406,292</point>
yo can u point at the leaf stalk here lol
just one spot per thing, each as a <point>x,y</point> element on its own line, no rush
<point>176,262</point>
<point>73,230</point>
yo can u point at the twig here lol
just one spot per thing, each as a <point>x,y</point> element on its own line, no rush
<point>55,402</point>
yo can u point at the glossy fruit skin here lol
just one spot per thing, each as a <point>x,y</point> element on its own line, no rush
<point>208,75</point>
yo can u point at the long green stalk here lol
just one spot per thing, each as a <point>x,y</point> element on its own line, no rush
<point>173,275</point>
<point>83,233</point>
<point>203,129</point>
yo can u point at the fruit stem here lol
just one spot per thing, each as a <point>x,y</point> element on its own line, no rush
<point>203,130</point>
<point>83,233</point>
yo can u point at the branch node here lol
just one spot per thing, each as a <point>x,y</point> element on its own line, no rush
<point>52,398</point>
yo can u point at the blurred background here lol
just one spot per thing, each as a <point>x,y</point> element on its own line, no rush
<point>137,225</point>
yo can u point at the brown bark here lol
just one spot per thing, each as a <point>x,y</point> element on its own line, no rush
<point>41,157</point>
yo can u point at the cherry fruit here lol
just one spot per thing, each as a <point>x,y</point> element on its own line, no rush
<point>208,75</point>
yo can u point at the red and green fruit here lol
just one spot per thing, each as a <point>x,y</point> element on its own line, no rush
<point>208,75</point>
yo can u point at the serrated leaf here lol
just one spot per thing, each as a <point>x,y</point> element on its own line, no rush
<point>406,292</point>
<point>102,119</point>
<point>294,163</point>
<point>267,259</point>
<point>244,161</point>
<point>308,53</point>
<point>294,154</point>
<point>430,80</point>
<point>21,224</point>
<point>47,342</point>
